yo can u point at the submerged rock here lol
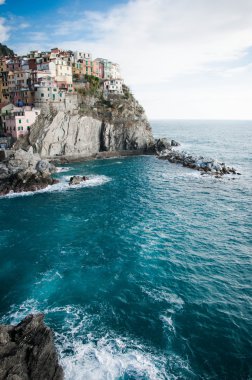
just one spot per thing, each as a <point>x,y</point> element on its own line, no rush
<point>25,171</point>
<point>27,351</point>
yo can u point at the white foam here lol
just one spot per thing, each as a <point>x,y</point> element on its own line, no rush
<point>163,295</point>
<point>63,185</point>
<point>63,169</point>
<point>168,323</point>
<point>85,356</point>
<point>108,357</point>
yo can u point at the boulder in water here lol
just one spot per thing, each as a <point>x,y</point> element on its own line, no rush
<point>76,180</point>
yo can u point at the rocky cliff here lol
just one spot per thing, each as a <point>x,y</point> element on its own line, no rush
<point>82,126</point>
<point>27,351</point>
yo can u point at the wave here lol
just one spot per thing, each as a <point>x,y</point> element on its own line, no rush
<point>63,185</point>
<point>109,358</point>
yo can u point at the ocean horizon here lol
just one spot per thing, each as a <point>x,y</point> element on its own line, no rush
<point>143,272</point>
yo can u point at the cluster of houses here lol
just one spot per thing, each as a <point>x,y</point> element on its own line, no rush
<point>28,82</point>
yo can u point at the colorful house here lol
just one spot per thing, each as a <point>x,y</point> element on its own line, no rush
<point>18,121</point>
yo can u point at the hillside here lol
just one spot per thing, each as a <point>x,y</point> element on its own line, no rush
<point>5,51</point>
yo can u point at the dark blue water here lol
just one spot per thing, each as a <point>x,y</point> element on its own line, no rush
<point>145,271</point>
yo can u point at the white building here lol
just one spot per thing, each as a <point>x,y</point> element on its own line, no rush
<point>113,86</point>
<point>115,71</point>
<point>81,55</point>
<point>61,71</point>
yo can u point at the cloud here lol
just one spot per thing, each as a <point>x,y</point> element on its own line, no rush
<point>173,48</point>
<point>2,2</point>
<point>4,30</point>
<point>24,25</point>
<point>159,39</point>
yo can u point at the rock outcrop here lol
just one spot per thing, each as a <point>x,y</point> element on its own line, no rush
<point>25,171</point>
<point>206,166</point>
<point>27,351</point>
<point>76,180</point>
<point>90,125</point>
<point>163,144</point>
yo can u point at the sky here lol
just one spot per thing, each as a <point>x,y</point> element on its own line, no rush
<point>182,59</point>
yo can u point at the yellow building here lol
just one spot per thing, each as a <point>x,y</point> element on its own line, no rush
<point>4,89</point>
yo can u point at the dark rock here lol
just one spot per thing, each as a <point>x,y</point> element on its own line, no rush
<point>27,351</point>
<point>175,143</point>
<point>76,180</point>
<point>161,145</point>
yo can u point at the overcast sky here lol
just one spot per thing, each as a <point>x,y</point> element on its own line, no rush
<point>182,58</point>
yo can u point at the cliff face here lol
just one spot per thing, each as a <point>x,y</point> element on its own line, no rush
<point>83,126</point>
<point>27,351</point>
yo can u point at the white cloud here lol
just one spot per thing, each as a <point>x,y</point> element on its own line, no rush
<point>159,41</point>
<point>4,30</point>
<point>162,43</point>
<point>24,25</point>
<point>2,2</point>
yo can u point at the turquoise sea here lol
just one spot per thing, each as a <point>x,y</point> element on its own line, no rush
<point>145,271</point>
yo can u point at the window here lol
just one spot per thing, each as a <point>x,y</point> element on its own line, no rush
<point>27,121</point>
<point>42,95</point>
<point>28,128</point>
<point>20,121</point>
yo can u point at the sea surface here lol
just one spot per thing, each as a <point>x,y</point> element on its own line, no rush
<point>145,271</point>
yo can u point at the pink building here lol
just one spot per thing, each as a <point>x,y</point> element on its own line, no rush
<point>19,120</point>
<point>98,68</point>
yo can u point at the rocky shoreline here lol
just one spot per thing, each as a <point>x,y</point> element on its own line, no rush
<point>24,171</point>
<point>27,351</point>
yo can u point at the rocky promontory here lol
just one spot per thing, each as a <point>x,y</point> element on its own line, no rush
<point>27,351</point>
<point>85,125</point>
<point>24,171</point>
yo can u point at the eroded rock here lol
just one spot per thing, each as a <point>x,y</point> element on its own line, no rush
<point>25,171</point>
<point>27,351</point>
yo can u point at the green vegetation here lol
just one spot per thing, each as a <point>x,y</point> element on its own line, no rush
<point>126,92</point>
<point>4,51</point>
<point>93,86</point>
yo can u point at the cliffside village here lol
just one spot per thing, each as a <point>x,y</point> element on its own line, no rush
<point>29,82</point>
